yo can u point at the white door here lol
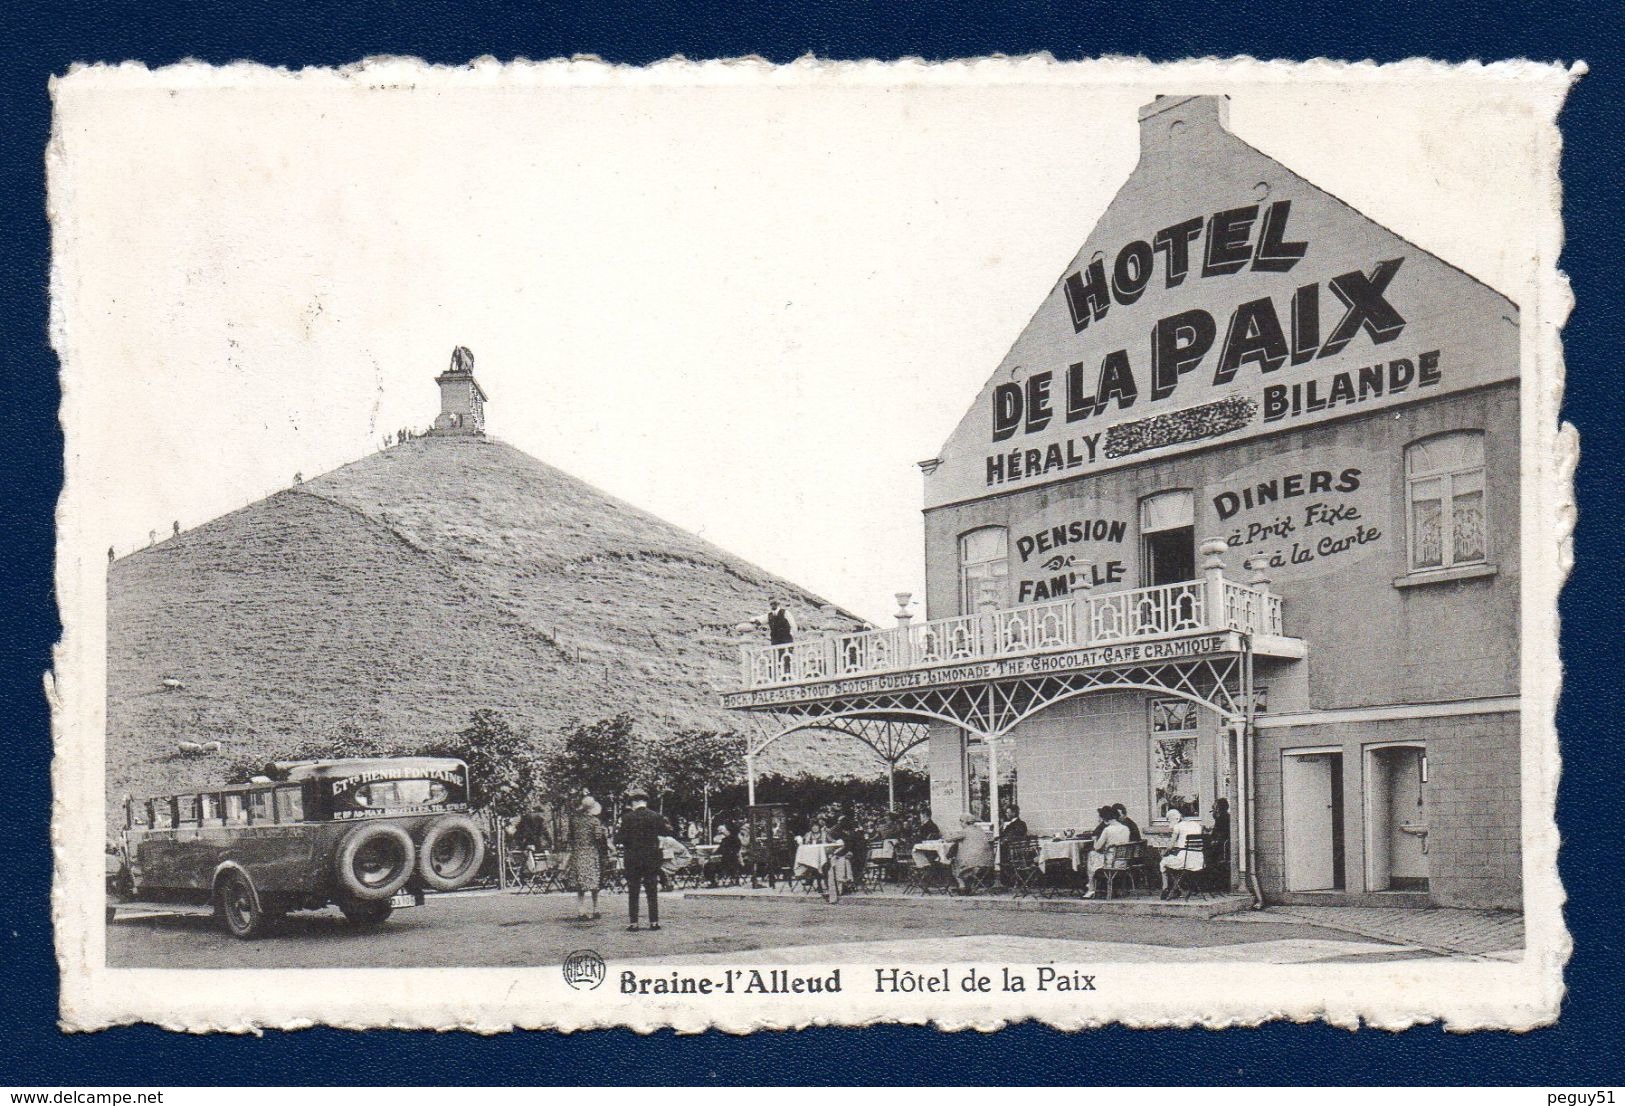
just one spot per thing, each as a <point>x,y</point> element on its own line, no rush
<point>1306,812</point>
<point>1407,817</point>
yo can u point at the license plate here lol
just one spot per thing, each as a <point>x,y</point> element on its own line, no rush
<point>403,900</point>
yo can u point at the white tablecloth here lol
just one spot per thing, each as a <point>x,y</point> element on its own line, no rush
<point>813,856</point>
<point>884,850</point>
<point>927,851</point>
<point>1073,852</point>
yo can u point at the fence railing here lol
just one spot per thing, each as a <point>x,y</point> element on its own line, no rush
<point>1075,622</point>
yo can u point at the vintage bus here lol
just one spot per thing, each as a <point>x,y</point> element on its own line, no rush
<point>367,835</point>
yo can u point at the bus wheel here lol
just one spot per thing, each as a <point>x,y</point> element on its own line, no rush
<point>366,913</point>
<point>375,861</point>
<point>237,905</point>
<point>451,852</point>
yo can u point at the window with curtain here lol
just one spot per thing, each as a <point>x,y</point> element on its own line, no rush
<point>984,556</point>
<point>1444,500</point>
<point>1167,511</point>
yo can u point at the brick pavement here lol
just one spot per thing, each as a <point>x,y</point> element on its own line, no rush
<point>1439,929</point>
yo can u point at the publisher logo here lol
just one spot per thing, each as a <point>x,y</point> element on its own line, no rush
<point>584,969</point>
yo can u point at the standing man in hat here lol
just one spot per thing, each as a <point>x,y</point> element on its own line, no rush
<point>639,834</point>
<point>781,629</point>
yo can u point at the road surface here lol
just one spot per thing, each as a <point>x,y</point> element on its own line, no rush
<point>494,929</point>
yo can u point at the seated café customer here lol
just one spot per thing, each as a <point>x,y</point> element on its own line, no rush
<point>1133,826</point>
<point>927,831</point>
<point>1015,829</point>
<point>1112,832</point>
<point>674,857</point>
<point>973,851</point>
<point>1181,858</point>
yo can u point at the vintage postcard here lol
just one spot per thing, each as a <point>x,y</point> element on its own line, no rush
<point>730,546</point>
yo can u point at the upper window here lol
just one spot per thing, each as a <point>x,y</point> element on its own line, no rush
<point>1444,500</point>
<point>1167,538</point>
<point>984,558</point>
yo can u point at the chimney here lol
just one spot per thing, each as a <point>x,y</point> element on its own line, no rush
<point>462,400</point>
<point>1168,120</point>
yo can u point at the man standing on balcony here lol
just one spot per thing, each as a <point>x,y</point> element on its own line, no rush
<point>781,629</point>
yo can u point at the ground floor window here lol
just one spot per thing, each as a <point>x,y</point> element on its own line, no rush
<point>1174,779</point>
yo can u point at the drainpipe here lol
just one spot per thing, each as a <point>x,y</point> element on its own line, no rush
<point>1249,824</point>
<point>750,779</point>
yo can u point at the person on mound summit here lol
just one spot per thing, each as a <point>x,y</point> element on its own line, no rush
<point>639,834</point>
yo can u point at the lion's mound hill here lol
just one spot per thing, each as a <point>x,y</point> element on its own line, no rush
<point>394,596</point>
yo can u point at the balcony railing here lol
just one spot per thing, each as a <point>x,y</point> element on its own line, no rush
<point>1076,622</point>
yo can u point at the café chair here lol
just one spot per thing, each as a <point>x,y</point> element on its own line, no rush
<point>526,869</point>
<point>1128,862</point>
<point>1023,870</point>
<point>1182,882</point>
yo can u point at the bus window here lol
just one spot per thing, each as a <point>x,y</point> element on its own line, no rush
<point>236,809</point>
<point>290,805</point>
<point>261,805</point>
<point>163,814</point>
<point>208,809</point>
<point>186,810</point>
<point>401,793</point>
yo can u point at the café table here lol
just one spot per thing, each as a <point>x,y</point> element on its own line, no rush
<point>1074,851</point>
<point>928,852</point>
<point>814,856</point>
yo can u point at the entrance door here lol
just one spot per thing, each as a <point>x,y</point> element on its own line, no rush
<point>1397,818</point>
<point>1310,794</point>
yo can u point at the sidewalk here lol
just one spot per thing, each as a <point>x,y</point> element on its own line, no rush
<point>1493,933</point>
<point>1204,907</point>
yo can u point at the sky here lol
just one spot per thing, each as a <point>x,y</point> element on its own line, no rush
<point>747,300</point>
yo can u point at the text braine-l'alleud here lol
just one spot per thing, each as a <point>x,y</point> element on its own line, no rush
<point>732,981</point>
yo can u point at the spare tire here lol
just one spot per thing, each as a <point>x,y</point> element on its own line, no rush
<point>451,852</point>
<point>375,861</point>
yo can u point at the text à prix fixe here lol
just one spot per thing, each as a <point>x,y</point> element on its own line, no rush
<point>892,981</point>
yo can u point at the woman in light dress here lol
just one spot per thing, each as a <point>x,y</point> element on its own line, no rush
<point>589,843</point>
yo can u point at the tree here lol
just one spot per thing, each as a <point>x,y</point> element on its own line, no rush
<point>599,758</point>
<point>695,764</point>
<point>502,765</point>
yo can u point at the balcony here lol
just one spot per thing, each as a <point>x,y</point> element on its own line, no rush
<point>1192,609</point>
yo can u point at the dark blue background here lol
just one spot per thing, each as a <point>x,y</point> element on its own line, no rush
<point>39,40</point>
